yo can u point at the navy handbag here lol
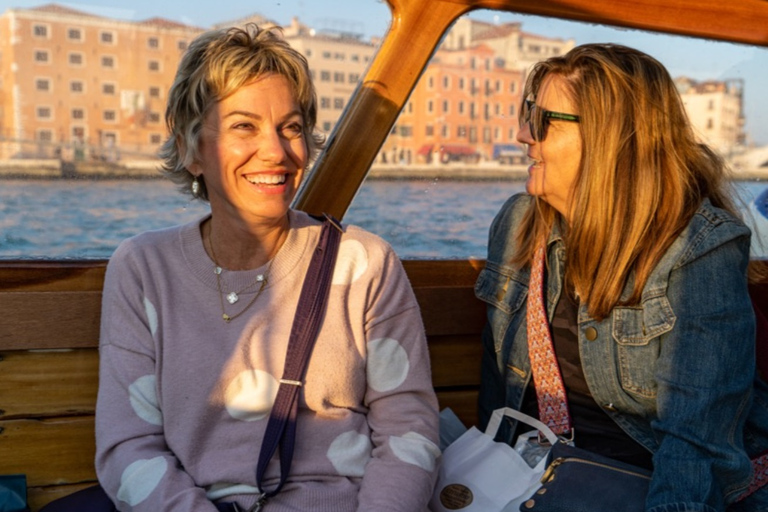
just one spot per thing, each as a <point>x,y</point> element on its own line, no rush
<point>578,480</point>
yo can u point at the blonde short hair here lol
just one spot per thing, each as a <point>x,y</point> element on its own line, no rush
<point>214,66</point>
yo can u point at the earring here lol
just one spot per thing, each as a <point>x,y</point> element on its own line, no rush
<point>195,187</point>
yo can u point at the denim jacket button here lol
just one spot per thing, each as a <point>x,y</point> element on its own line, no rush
<point>590,333</point>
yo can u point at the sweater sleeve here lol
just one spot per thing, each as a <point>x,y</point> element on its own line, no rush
<point>402,415</point>
<point>133,462</point>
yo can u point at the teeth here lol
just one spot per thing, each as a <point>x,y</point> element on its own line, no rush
<point>267,179</point>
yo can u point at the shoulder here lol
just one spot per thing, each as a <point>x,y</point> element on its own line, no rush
<point>709,228</point>
<point>153,245</point>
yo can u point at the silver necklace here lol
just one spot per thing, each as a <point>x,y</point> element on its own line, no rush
<point>233,297</point>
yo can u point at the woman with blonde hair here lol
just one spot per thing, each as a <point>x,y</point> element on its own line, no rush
<point>198,321</point>
<point>618,309</point>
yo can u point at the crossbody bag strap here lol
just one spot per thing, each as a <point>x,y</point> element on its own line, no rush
<point>281,428</point>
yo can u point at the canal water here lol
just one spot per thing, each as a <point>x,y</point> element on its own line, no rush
<point>421,218</point>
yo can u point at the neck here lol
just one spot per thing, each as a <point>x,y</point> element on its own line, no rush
<point>243,247</point>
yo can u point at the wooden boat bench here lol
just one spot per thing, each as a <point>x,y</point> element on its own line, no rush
<point>49,362</point>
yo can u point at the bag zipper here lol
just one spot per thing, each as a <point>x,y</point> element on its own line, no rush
<point>549,473</point>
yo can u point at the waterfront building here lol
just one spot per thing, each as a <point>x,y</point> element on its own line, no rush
<point>79,86</point>
<point>464,108</point>
<point>716,111</point>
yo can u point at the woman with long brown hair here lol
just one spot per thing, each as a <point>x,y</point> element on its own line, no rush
<point>629,233</point>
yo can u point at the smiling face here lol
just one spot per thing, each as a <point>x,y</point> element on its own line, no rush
<point>252,152</point>
<point>557,158</point>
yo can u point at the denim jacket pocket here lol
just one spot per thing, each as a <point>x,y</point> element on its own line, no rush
<point>500,288</point>
<point>636,331</point>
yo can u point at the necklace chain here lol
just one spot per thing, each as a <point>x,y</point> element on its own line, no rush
<point>233,297</point>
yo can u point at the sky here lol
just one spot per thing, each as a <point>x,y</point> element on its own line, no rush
<point>697,59</point>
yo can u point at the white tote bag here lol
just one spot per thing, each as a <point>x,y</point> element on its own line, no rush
<point>478,474</point>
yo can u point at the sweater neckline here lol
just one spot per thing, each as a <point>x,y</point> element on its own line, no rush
<point>201,266</point>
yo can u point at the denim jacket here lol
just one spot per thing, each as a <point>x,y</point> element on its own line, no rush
<point>676,372</point>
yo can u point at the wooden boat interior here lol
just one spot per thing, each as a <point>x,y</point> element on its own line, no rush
<point>50,326</point>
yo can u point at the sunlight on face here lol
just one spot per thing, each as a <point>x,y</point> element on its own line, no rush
<point>253,151</point>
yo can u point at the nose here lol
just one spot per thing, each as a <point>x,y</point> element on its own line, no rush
<point>524,134</point>
<point>272,146</point>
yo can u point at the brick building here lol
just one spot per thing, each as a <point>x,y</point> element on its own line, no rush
<point>80,85</point>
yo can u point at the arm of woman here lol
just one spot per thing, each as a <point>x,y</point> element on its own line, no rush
<point>133,462</point>
<point>704,374</point>
<point>402,407</point>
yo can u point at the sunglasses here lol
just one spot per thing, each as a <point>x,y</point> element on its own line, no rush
<point>538,119</point>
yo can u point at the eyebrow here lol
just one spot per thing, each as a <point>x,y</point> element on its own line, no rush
<point>252,115</point>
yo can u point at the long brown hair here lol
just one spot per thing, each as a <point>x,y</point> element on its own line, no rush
<point>642,175</point>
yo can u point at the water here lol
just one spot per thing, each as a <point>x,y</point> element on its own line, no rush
<point>420,218</point>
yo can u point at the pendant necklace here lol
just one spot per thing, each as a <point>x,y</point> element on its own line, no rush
<point>233,297</point>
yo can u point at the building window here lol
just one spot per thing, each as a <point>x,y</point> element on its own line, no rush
<point>431,82</point>
<point>107,37</point>
<point>496,134</point>
<point>461,132</point>
<point>430,106</point>
<point>75,59</point>
<point>154,117</point>
<point>430,131</point>
<point>308,52</point>
<point>76,86</point>
<point>44,136</point>
<point>445,106</point>
<point>325,76</point>
<point>487,64</point>
<point>43,84</point>
<point>43,112</point>
<point>108,88</point>
<point>338,56</point>
<point>461,84</point>
<point>107,61</point>
<point>154,92</point>
<point>497,109</point>
<point>473,134</point>
<point>461,107</point>
<point>498,85</point>
<point>327,126</point>
<point>338,78</point>
<point>78,133</point>
<point>446,82</point>
<point>338,103</point>
<point>710,124</point>
<point>75,34</point>
<point>445,131</point>
<point>78,113</point>
<point>154,65</point>
<point>354,78</point>
<point>326,55</point>
<point>511,134</point>
<point>512,87</point>
<point>355,57</point>
<point>512,110</point>
<point>406,131</point>
<point>182,45</point>
<point>325,102</point>
<point>487,135</point>
<point>110,115</point>
<point>153,43</point>
<point>155,138</point>
<point>41,56</point>
<point>40,31</point>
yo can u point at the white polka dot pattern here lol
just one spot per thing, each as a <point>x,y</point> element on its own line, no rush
<point>250,395</point>
<point>387,365</point>
<point>143,396</point>
<point>414,448</point>
<point>151,315</point>
<point>140,478</point>
<point>349,453</point>
<point>351,263</point>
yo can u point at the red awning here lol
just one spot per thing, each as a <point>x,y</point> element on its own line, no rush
<point>458,150</point>
<point>425,150</point>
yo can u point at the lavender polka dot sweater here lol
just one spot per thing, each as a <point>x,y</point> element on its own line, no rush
<point>184,397</point>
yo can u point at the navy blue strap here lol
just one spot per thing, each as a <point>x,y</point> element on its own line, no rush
<point>281,429</point>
